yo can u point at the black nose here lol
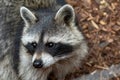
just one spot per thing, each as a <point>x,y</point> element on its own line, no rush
<point>38,63</point>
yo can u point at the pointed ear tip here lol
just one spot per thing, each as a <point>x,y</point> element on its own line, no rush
<point>68,5</point>
<point>22,8</point>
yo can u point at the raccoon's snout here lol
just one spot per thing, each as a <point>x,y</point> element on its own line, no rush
<point>38,63</point>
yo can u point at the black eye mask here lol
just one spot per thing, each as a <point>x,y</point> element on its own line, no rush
<point>60,49</point>
<point>31,47</point>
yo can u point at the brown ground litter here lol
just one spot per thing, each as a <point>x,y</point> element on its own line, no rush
<point>100,23</point>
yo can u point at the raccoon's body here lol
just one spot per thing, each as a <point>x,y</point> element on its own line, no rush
<point>50,27</point>
<point>50,43</point>
<point>11,26</point>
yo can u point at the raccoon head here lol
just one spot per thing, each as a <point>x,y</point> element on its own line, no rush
<point>50,37</point>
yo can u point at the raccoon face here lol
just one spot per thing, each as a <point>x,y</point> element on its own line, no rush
<point>50,37</point>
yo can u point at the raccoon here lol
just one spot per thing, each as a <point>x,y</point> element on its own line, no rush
<point>11,26</point>
<point>50,43</point>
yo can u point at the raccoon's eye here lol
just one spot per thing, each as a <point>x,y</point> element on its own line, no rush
<point>31,47</point>
<point>50,44</point>
<point>34,44</point>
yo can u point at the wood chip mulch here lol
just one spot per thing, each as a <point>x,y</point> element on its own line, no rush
<point>99,21</point>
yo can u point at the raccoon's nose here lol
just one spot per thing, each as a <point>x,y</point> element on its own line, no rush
<point>38,63</point>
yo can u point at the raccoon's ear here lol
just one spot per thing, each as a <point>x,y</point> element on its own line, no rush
<point>65,15</point>
<point>28,17</point>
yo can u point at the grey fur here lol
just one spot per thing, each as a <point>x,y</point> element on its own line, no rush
<point>10,30</point>
<point>11,27</point>
<point>57,26</point>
